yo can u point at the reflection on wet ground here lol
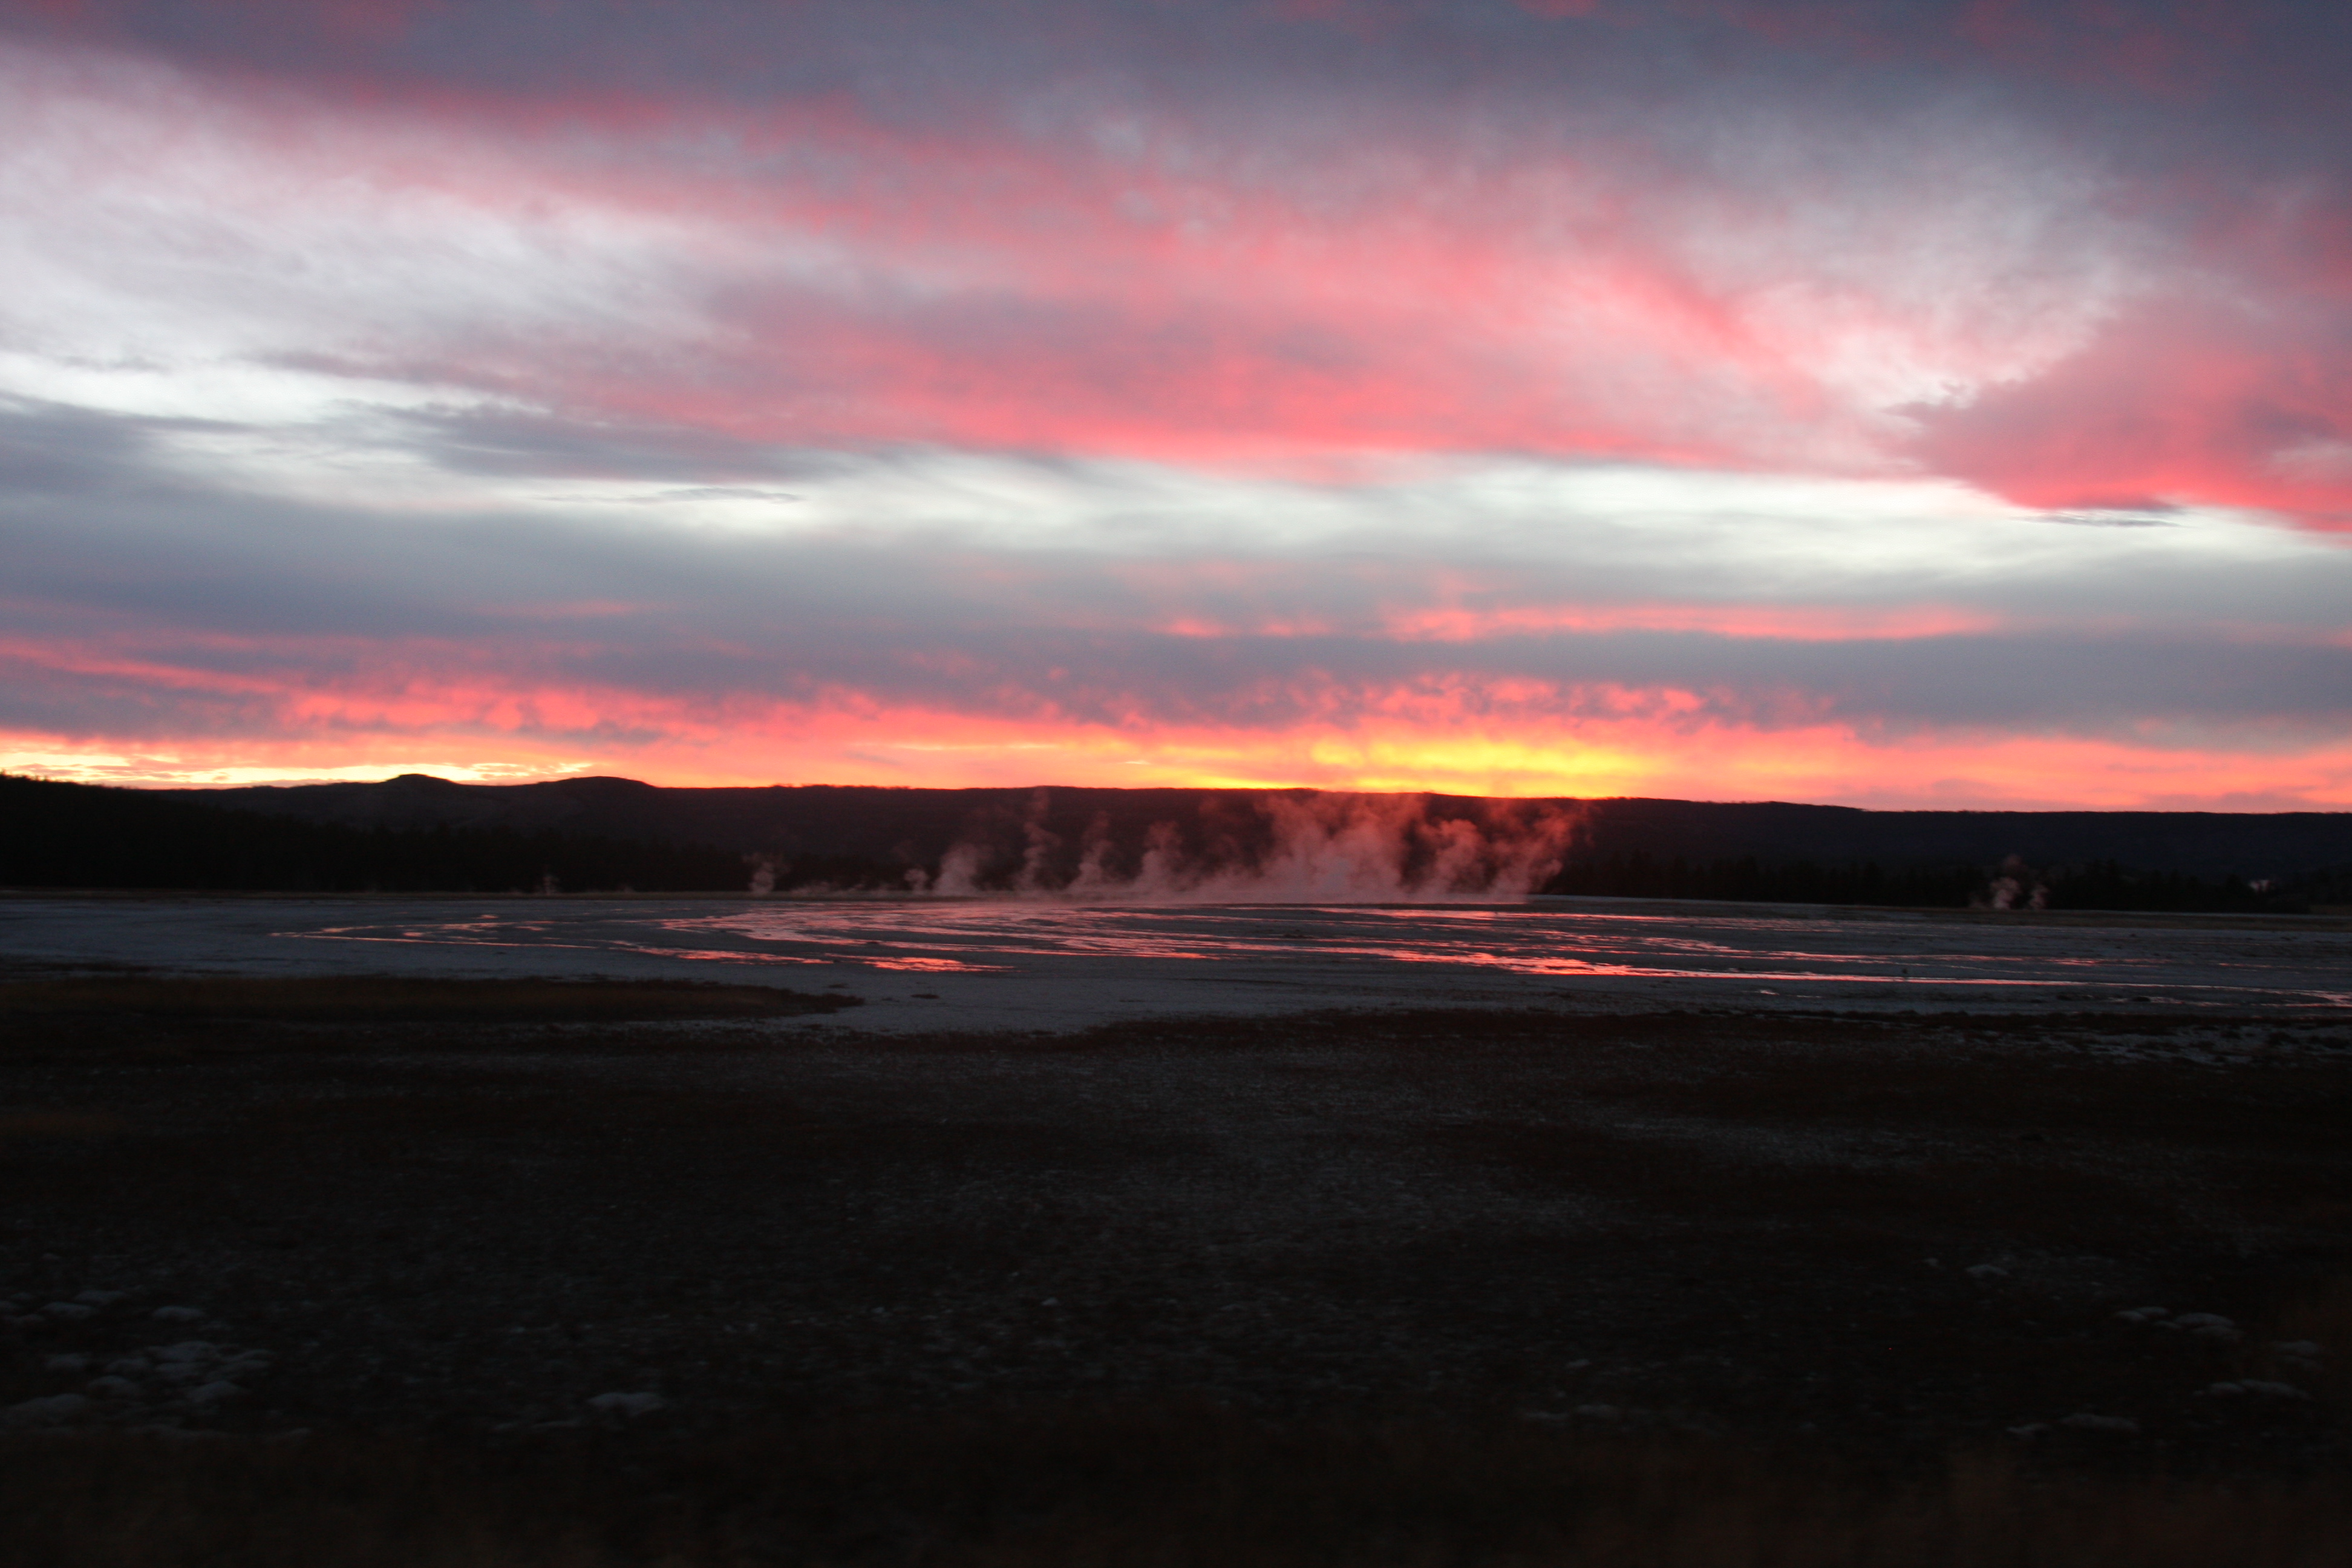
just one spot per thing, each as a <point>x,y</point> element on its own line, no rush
<point>1036,964</point>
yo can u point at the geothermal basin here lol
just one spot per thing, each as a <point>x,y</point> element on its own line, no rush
<point>927,964</point>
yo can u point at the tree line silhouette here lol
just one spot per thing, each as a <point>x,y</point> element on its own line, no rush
<point>54,835</point>
<point>59,834</point>
<point>2092,885</point>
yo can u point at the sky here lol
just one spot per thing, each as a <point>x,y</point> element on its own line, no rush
<point>1924,404</point>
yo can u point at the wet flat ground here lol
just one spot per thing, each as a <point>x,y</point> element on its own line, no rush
<point>927,964</point>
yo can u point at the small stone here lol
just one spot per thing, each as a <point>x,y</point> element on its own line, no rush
<point>2307,1349</point>
<point>2226,1390</point>
<point>177,1315</point>
<point>2273,1390</point>
<point>100,1298</point>
<point>46,1412</point>
<point>112,1388</point>
<point>180,1434</point>
<point>1987,1271</point>
<point>2117,1425</point>
<point>214,1393</point>
<point>68,1363</point>
<point>190,1362</point>
<point>67,1311</point>
<point>627,1404</point>
<point>2142,1315</point>
<point>2202,1320</point>
<point>1598,1412</point>
<point>129,1366</point>
<point>2031,1430</point>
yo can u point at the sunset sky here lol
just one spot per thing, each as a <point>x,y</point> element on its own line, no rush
<point>1890,404</point>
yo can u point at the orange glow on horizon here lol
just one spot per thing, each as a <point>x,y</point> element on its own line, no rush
<point>1648,754</point>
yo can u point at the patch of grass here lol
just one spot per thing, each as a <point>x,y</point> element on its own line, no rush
<point>1059,1490</point>
<point>381,998</point>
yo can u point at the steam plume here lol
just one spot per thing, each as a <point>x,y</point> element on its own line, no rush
<point>1316,848</point>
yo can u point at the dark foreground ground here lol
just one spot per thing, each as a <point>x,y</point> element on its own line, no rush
<point>426,1278</point>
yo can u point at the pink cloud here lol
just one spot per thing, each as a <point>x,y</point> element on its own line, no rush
<point>2247,405</point>
<point>1141,286</point>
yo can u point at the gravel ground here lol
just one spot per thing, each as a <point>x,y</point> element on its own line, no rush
<point>2087,1234</point>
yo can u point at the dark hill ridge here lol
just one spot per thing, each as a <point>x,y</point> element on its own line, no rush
<point>918,826</point>
<point>417,834</point>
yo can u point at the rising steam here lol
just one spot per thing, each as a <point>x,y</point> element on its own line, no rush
<point>1313,848</point>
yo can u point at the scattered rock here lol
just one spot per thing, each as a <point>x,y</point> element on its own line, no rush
<point>2307,1349</point>
<point>2205,1326</point>
<point>68,1362</point>
<point>130,1367</point>
<point>49,1412</point>
<point>99,1297</point>
<point>2031,1430</point>
<point>188,1361</point>
<point>164,1429</point>
<point>627,1404</point>
<point>112,1388</point>
<point>1599,1412</point>
<point>1987,1271</point>
<point>2084,1421</point>
<point>2142,1315</point>
<point>215,1393</point>
<point>177,1315</point>
<point>67,1311</point>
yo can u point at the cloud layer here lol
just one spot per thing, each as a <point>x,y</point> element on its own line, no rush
<point>1880,404</point>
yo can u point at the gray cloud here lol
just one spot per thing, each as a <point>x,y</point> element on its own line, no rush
<point>110,548</point>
